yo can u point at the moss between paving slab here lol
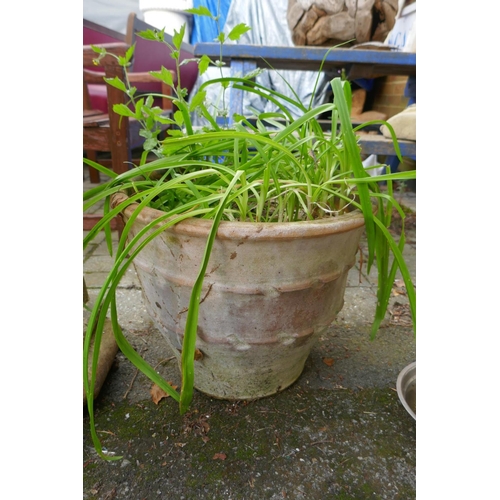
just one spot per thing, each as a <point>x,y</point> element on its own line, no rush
<point>297,444</point>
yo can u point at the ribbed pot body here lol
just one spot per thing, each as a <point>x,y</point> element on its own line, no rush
<point>269,291</point>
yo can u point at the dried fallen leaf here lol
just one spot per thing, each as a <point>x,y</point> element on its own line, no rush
<point>110,494</point>
<point>157,394</point>
<point>328,361</point>
<point>399,288</point>
<point>400,315</point>
<point>219,456</point>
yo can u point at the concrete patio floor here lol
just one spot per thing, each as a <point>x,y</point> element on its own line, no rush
<point>339,432</point>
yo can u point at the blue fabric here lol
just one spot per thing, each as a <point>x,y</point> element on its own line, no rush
<point>205,29</point>
<point>411,90</point>
<point>365,83</point>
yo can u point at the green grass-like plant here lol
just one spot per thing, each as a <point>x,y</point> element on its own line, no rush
<point>269,167</point>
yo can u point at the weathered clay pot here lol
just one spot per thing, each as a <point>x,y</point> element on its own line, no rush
<point>270,290</point>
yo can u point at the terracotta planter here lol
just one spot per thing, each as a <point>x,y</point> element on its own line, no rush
<point>270,290</point>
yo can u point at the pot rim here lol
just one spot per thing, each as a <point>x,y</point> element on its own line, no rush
<point>237,229</point>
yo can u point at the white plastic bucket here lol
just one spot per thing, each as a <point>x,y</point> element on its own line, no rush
<point>168,14</point>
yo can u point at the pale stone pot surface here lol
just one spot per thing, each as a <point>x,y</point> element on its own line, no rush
<point>269,291</point>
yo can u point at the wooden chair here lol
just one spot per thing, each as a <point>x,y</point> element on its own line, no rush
<point>109,132</point>
<point>93,34</point>
<point>148,56</point>
<point>105,131</point>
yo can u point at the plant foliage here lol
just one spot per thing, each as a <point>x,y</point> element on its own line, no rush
<point>268,167</point>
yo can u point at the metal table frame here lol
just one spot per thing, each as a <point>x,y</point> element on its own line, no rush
<point>357,63</point>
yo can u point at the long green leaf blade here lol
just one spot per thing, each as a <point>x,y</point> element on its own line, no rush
<point>188,347</point>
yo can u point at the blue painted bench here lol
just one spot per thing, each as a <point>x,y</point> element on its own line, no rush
<point>356,63</point>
